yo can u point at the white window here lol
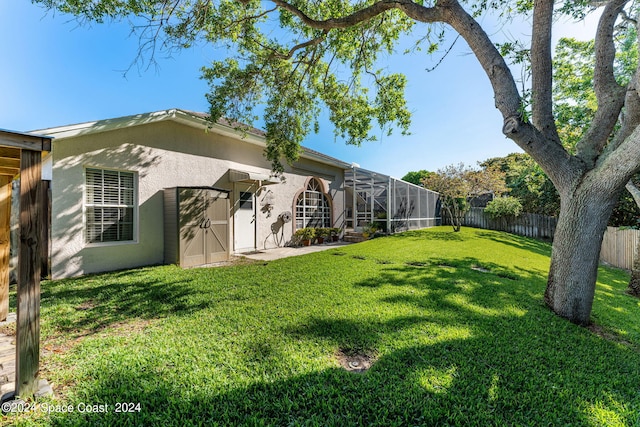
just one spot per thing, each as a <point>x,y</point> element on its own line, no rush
<point>110,204</point>
<point>312,207</point>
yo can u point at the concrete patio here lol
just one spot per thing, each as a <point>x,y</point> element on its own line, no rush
<point>277,253</point>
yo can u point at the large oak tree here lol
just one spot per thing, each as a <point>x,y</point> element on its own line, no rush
<point>296,56</point>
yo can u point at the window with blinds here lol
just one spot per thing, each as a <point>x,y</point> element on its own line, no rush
<point>109,205</point>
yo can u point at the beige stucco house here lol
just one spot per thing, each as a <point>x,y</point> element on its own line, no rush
<point>133,191</point>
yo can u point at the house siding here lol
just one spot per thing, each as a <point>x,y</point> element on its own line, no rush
<point>165,154</point>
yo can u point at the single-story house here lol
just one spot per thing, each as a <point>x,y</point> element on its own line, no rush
<point>172,187</point>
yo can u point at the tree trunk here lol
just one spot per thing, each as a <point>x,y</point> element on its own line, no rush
<point>576,252</point>
<point>454,217</point>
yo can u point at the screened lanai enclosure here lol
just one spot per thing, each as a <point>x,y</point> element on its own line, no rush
<point>389,204</point>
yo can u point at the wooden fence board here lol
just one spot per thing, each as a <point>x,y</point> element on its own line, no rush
<point>618,246</point>
<point>527,224</point>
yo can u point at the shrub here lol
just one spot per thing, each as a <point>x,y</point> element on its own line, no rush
<point>305,233</point>
<point>323,232</point>
<point>504,207</point>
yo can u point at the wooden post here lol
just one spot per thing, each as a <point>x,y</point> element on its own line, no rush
<point>5,240</point>
<point>29,264</point>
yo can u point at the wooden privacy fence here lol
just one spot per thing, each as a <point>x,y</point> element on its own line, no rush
<point>618,246</point>
<point>527,224</point>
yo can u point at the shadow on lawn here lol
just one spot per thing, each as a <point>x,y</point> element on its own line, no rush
<point>94,302</point>
<point>446,273</point>
<point>475,348</point>
<point>530,371</point>
<point>536,246</point>
<point>431,234</point>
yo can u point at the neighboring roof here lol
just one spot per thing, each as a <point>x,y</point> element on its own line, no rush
<point>190,118</point>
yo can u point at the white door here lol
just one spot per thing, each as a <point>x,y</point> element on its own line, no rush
<point>244,221</point>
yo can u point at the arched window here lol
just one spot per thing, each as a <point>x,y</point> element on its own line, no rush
<point>313,208</point>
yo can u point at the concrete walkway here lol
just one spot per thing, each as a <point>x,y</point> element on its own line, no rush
<point>277,253</point>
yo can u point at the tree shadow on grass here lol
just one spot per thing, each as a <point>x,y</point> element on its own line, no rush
<point>613,306</point>
<point>534,372</point>
<point>448,275</point>
<point>469,348</point>
<point>536,246</point>
<point>95,302</point>
<point>447,235</point>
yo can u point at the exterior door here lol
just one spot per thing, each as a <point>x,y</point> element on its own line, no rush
<point>216,228</point>
<point>204,234</point>
<point>245,222</point>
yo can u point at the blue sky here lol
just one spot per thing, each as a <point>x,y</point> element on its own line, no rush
<point>55,72</point>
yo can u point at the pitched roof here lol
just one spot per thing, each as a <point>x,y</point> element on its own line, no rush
<point>190,118</point>
<point>223,121</point>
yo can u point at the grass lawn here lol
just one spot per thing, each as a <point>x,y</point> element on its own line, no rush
<point>452,324</point>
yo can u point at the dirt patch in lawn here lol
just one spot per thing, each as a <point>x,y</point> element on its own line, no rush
<point>358,362</point>
<point>610,336</point>
<point>63,342</point>
<point>480,269</point>
<point>55,347</point>
<point>86,305</point>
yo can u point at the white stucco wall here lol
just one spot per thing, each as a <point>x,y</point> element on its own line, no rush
<point>164,154</point>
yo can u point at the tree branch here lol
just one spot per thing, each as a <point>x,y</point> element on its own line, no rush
<point>249,18</point>
<point>312,42</point>
<point>507,97</point>
<point>561,168</point>
<point>620,165</point>
<point>630,118</point>
<point>542,69</point>
<point>634,191</point>
<point>628,18</point>
<point>413,10</point>
<point>621,158</point>
<point>343,22</point>
<point>610,95</point>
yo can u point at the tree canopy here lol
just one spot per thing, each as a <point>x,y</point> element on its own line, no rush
<point>416,177</point>
<point>458,183</point>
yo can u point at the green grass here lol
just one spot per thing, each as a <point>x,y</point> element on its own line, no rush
<point>454,321</point>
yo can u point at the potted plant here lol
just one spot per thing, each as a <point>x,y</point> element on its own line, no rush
<point>322,234</point>
<point>368,230</point>
<point>334,233</point>
<point>305,235</point>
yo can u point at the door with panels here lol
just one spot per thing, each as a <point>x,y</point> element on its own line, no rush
<point>196,226</point>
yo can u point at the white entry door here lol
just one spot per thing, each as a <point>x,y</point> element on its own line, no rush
<point>244,221</point>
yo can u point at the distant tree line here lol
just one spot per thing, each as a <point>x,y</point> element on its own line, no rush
<point>526,181</point>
